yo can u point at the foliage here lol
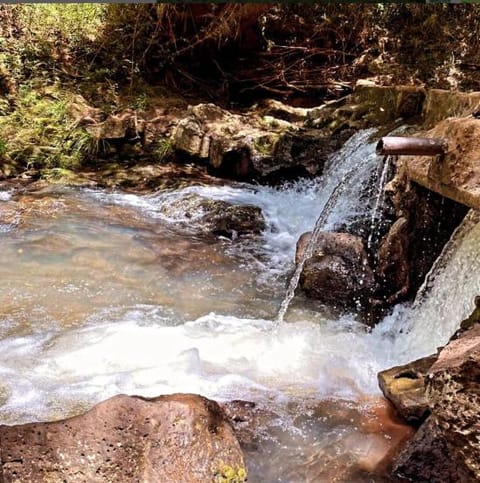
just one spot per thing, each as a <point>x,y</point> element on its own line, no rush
<point>231,53</point>
<point>40,133</point>
<point>50,41</point>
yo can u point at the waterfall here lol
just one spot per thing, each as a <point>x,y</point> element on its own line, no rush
<point>471,219</point>
<point>346,175</point>
<point>387,161</point>
<point>319,225</point>
<point>444,301</point>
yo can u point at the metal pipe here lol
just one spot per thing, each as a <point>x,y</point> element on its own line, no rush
<point>397,145</point>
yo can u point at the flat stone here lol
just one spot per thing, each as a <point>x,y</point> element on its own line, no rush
<point>404,387</point>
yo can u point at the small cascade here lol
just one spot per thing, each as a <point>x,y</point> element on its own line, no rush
<point>386,162</point>
<point>471,219</point>
<point>319,225</point>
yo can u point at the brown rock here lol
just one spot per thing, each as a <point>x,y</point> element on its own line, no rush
<point>252,146</point>
<point>404,387</point>
<point>427,458</point>
<point>456,175</point>
<point>453,390</point>
<point>424,225</point>
<point>338,272</point>
<point>393,260</point>
<point>177,438</point>
<point>447,445</point>
<point>115,126</point>
<point>216,217</point>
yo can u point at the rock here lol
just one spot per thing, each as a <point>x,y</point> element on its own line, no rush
<point>9,215</point>
<point>176,438</point>
<point>427,458</point>
<point>252,146</point>
<point>251,423</point>
<point>441,104</point>
<point>370,105</point>
<point>338,272</point>
<point>404,387</point>
<point>150,177</point>
<point>425,222</point>
<point>216,217</point>
<point>455,175</point>
<point>392,268</point>
<point>447,445</point>
<point>279,110</point>
<point>453,389</point>
<point>83,113</point>
<point>115,126</point>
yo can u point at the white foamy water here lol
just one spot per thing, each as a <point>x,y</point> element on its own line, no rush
<point>5,195</point>
<point>289,210</point>
<point>124,337</point>
<point>218,356</point>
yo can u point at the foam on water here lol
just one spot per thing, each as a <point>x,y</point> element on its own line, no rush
<point>289,210</point>
<point>218,356</point>
<point>5,195</point>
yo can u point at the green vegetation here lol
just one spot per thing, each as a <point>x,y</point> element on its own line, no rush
<point>115,56</point>
<point>227,474</point>
<point>40,133</point>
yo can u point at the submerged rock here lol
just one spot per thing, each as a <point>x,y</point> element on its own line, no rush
<point>338,273</point>
<point>173,438</point>
<point>216,217</point>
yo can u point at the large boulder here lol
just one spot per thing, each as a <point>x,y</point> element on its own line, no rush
<point>424,223</point>
<point>176,438</point>
<point>454,175</point>
<point>453,389</point>
<point>427,458</point>
<point>338,272</point>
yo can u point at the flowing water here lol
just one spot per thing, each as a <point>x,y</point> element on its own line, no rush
<point>386,164</point>
<point>106,293</point>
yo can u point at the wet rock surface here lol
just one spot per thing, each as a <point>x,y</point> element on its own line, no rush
<point>423,225</point>
<point>446,447</point>
<point>404,387</point>
<point>216,217</point>
<point>338,272</point>
<point>129,439</point>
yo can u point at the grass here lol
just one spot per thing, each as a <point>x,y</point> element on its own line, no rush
<point>40,133</point>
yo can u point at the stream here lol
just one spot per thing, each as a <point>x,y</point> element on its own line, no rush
<point>107,292</point>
